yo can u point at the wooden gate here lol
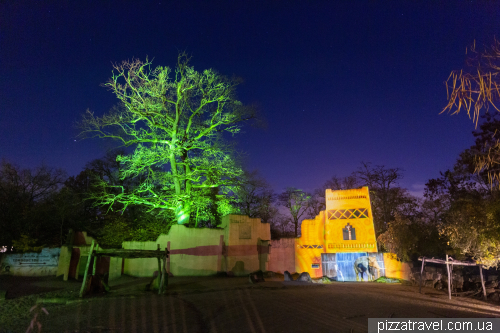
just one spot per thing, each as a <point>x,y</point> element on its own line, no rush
<point>329,264</point>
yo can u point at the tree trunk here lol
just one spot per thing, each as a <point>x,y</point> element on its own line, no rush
<point>62,224</point>
<point>182,213</point>
<point>214,208</point>
<point>182,210</point>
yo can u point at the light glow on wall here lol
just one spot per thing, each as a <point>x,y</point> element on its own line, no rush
<point>345,226</point>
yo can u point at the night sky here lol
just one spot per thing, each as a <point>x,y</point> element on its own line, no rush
<point>339,82</point>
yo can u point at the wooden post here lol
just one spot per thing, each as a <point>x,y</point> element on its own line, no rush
<point>163,274</point>
<point>449,282</point>
<point>159,268</point>
<point>95,260</point>
<point>82,290</point>
<point>451,273</point>
<point>160,285</point>
<point>168,259</point>
<point>482,281</point>
<point>421,273</point>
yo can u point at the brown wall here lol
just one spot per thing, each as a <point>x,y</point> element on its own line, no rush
<point>282,256</point>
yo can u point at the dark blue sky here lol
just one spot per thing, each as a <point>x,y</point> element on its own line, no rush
<point>339,82</point>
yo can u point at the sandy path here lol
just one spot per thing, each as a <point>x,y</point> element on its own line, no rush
<point>233,305</point>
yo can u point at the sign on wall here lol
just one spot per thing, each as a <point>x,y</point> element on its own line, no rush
<point>31,264</point>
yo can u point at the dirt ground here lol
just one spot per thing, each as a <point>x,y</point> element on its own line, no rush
<point>222,304</point>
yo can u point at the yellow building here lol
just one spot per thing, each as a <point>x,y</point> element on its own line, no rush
<point>345,227</point>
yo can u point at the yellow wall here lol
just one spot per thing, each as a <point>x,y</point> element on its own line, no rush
<point>64,261</point>
<point>396,269</point>
<point>243,241</point>
<point>348,203</point>
<point>310,245</point>
<point>323,234</point>
<point>180,237</point>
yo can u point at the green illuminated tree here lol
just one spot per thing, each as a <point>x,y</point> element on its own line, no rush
<point>175,121</point>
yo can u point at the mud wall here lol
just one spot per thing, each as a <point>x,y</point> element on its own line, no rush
<point>282,256</point>
<point>238,247</point>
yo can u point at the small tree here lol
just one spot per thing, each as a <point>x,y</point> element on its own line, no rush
<point>255,197</point>
<point>175,121</point>
<point>385,194</point>
<point>297,202</point>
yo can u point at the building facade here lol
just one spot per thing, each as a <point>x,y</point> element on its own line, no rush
<point>340,242</point>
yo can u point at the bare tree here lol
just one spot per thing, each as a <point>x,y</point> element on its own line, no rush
<point>34,184</point>
<point>317,202</point>
<point>281,226</point>
<point>20,191</point>
<point>66,205</point>
<point>174,119</point>
<point>255,197</point>
<point>297,202</point>
<point>342,183</point>
<point>384,192</point>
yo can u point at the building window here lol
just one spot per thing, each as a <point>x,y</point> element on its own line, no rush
<point>349,232</point>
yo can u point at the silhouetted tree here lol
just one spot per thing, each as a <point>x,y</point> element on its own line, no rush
<point>296,201</point>
<point>23,196</point>
<point>317,202</point>
<point>255,197</point>
<point>385,194</point>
